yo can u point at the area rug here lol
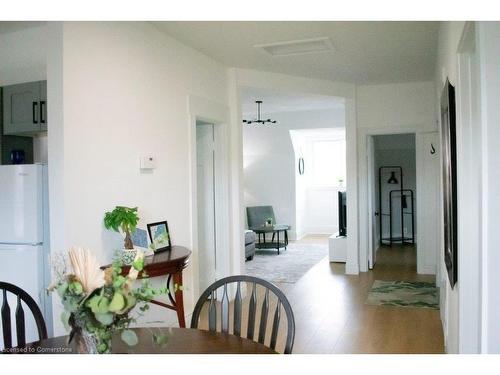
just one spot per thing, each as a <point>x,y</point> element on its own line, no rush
<point>404,294</point>
<point>287,267</point>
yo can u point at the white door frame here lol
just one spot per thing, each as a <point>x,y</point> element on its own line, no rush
<point>366,220</point>
<point>469,190</point>
<point>201,109</point>
<point>370,155</point>
<point>273,81</point>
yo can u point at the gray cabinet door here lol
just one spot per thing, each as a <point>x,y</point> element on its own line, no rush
<point>22,108</point>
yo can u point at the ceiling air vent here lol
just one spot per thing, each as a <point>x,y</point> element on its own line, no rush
<point>297,47</point>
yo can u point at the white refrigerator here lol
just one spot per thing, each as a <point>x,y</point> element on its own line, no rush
<point>24,234</point>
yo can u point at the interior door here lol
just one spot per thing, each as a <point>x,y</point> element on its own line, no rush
<point>373,239</point>
<point>207,248</point>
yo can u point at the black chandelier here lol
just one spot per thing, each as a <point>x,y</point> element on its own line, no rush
<point>259,120</point>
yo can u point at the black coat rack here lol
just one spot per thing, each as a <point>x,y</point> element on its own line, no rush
<point>404,195</point>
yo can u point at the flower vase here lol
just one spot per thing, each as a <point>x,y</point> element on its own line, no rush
<point>88,343</point>
<point>85,343</point>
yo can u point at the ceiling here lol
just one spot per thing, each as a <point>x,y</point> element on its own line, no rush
<point>12,26</point>
<point>364,52</point>
<point>279,101</point>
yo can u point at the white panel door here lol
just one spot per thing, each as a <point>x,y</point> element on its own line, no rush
<point>206,204</point>
<point>21,204</point>
<point>373,237</point>
<point>22,265</point>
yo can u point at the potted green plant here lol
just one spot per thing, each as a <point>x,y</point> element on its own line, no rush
<point>122,219</point>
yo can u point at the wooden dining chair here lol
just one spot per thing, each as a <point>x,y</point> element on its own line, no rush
<point>232,285</point>
<point>22,297</point>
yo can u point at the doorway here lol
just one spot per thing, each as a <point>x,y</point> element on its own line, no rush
<point>294,161</point>
<point>426,196</point>
<point>392,199</point>
<point>206,199</point>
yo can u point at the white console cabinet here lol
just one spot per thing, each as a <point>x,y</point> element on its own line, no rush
<point>337,248</point>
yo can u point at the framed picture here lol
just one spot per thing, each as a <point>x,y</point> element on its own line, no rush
<point>449,173</point>
<point>159,236</point>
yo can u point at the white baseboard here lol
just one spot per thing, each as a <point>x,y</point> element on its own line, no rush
<point>323,229</point>
<point>300,236</point>
<point>292,235</point>
<point>351,269</point>
<point>426,270</point>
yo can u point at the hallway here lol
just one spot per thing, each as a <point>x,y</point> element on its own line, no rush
<point>331,315</point>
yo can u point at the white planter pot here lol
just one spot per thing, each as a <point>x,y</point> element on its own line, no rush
<point>128,256</point>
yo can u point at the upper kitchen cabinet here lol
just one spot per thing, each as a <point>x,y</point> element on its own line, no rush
<point>25,108</point>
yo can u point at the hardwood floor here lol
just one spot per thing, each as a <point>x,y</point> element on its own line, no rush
<point>331,315</point>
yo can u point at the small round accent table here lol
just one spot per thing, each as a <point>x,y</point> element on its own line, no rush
<point>275,230</point>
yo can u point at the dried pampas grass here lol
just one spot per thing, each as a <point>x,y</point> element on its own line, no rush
<point>86,269</point>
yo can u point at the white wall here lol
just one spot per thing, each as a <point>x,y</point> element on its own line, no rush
<point>470,311</point>
<point>40,148</point>
<point>23,56</point>
<point>390,109</point>
<point>488,34</point>
<point>399,105</point>
<point>122,93</point>
<point>449,37</point>
<point>270,162</point>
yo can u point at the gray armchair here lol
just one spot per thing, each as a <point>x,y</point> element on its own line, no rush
<point>250,238</point>
<point>257,217</point>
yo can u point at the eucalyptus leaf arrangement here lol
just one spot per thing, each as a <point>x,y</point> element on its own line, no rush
<point>122,219</point>
<point>98,303</point>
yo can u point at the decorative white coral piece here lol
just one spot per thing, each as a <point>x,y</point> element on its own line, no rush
<point>86,269</point>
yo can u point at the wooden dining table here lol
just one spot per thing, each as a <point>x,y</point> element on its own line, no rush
<point>178,341</point>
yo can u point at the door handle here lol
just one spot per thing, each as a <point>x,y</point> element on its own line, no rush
<point>42,110</point>
<point>35,121</point>
<point>376,213</point>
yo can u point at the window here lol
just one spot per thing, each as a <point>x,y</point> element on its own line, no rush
<point>328,163</point>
